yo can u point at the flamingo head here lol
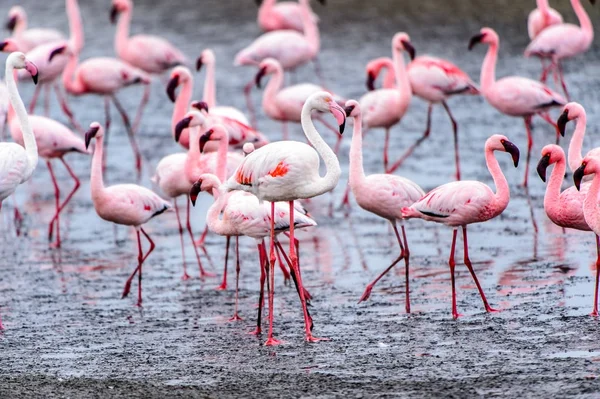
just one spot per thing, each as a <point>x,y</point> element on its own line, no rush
<point>550,155</point>
<point>401,42</point>
<point>267,67</point>
<point>9,46</point>
<point>19,61</point>
<point>217,132</point>
<point>199,105</point>
<point>571,111</point>
<point>206,58</point>
<point>119,6</point>
<point>191,119</point>
<point>589,166</point>
<point>64,49</point>
<point>499,142</point>
<point>95,131</point>
<point>374,68</point>
<point>352,109</point>
<point>206,182</point>
<point>485,35</point>
<point>325,102</point>
<point>179,75</point>
<point>15,15</point>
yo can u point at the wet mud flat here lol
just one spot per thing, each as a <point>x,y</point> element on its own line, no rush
<point>68,333</point>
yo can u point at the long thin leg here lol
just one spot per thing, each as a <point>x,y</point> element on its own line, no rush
<point>280,250</point>
<point>236,316</point>
<point>17,215</point>
<point>200,241</point>
<point>545,69</point>
<point>57,204</point>
<point>417,143</point>
<point>262,259</point>
<point>185,276</point>
<point>223,285</point>
<point>141,260</point>
<point>188,225</point>
<point>406,268</point>
<point>249,104</point>
<point>346,198</point>
<point>595,311</point>
<point>270,339</point>
<point>130,134</point>
<point>452,265</point>
<point>64,105</point>
<point>140,111</point>
<point>64,203</point>
<point>34,99</point>
<point>470,267</point>
<point>562,80</point>
<point>545,116</point>
<point>284,270</point>
<point>385,149</point>
<point>529,146</point>
<point>455,133</point>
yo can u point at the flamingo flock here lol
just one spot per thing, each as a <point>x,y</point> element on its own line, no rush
<point>266,191</point>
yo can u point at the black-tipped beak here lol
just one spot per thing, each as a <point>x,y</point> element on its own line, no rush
<point>323,2</point>
<point>200,105</point>
<point>258,2</point>
<point>171,87</point>
<point>593,2</point>
<point>204,139</point>
<point>578,175</point>
<point>259,76</point>
<point>55,52</point>
<point>114,12</point>
<point>562,121</point>
<point>542,166</point>
<point>199,64</point>
<point>513,150</point>
<point>89,135</point>
<point>343,126</point>
<point>409,49</point>
<point>370,81</point>
<point>34,77</point>
<point>474,40</point>
<point>11,23</point>
<point>2,45</point>
<point>194,191</point>
<point>181,126</point>
<point>349,110</point>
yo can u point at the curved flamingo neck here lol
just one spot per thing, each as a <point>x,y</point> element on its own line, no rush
<point>502,194</point>
<point>222,152</point>
<point>213,220</point>
<point>21,25</point>
<point>543,6</point>
<point>311,29</point>
<point>552,198</point>
<point>389,79</point>
<point>73,85</point>
<point>576,144</point>
<point>273,87</point>
<point>332,175</point>
<point>403,84</point>
<point>10,115</point>
<point>357,171</point>
<point>122,33</point>
<point>590,205</point>
<point>209,95</point>
<point>182,103</point>
<point>584,19</point>
<point>97,178</point>
<point>18,108</point>
<point>488,69</point>
<point>193,154</point>
<point>75,25</point>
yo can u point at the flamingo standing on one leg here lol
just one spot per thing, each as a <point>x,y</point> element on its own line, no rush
<point>565,209</point>
<point>574,111</point>
<point>17,163</point>
<point>283,15</point>
<point>382,194</point>
<point>125,204</point>
<point>539,19</point>
<point>514,95</point>
<point>287,171</point>
<point>561,41</point>
<point>386,107</point>
<point>28,39</point>
<point>461,203</point>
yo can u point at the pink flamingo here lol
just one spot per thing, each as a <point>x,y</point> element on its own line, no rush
<point>285,104</point>
<point>30,38</point>
<point>565,209</point>
<point>382,194</point>
<point>287,171</point>
<point>514,95</point>
<point>17,163</point>
<point>283,15</point>
<point>244,215</point>
<point>591,166</point>
<point>125,204</point>
<point>461,203</point>
<point>574,111</point>
<point>541,18</point>
<point>561,41</point>
<point>105,76</point>
<point>386,107</point>
<point>54,141</point>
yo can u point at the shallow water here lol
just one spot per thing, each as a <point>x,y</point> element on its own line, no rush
<point>68,332</point>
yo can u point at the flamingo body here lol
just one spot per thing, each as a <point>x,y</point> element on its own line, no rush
<point>169,173</point>
<point>283,15</point>
<point>435,79</point>
<point>539,20</point>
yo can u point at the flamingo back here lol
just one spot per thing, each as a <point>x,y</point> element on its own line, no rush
<point>517,96</point>
<point>288,47</point>
<point>168,175</point>
<point>434,79</point>
<point>129,204</point>
<point>559,41</point>
<point>13,168</point>
<point>536,22</point>
<point>105,75</point>
<point>152,54</point>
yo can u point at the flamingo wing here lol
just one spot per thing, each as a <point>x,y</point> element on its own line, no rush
<point>134,205</point>
<point>152,54</point>
<point>563,40</point>
<point>519,96</point>
<point>13,167</point>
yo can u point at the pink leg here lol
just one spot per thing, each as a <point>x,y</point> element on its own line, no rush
<point>270,340</point>
<point>130,134</point>
<point>488,308</point>
<point>452,265</point>
<point>223,285</point>
<point>529,146</point>
<point>64,203</point>
<point>140,111</point>
<point>36,95</point>
<point>346,198</point>
<point>107,123</point>
<point>562,80</point>
<point>417,143</point>
<point>385,149</point>
<point>57,204</point>
<point>138,269</point>
<point>455,134</point>
<point>545,69</point>
<point>532,213</point>
<point>548,119</point>
<point>249,104</point>
<point>188,225</point>
<point>280,250</point>
<point>262,255</point>
<point>284,270</point>
<point>406,269</point>
<point>236,316</point>
<point>200,242</point>
<point>17,215</point>
<point>185,276</point>
<point>595,311</point>
<point>64,105</point>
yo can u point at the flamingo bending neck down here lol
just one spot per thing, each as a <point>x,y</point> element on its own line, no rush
<point>283,15</point>
<point>382,194</point>
<point>125,204</point>
<point>287,171</point>
<point>461,203</point>
<point>29,38</point>
<point>514,95</point>
<point>17,163</point>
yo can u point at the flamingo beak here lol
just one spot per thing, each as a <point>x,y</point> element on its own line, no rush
<point>323,2</point>
<point>260,75</point>
<point>513,150</point>
<point>542,166</point>
<point>114,12</point>
<point>258,2</point>
<point>204,139</point>
<point>195,190</point>
<point>181,126</point>
<point>11,23</point>
<point>563,119</point>
<point>89,135</point>
<point>32,69</point>
<point>349,110</point>
<point>410,49</point>
<point>340,115</point>
<point>475,39</point>
<point>578,175</point>
<point>593,2</point>
<point>55,52</point>
<point>3,45</point>
<point>200,105</point>
<point>199,64</point>
<point>371,81</point>
<point>171,87</point>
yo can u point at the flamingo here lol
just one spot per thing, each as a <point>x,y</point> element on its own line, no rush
<point>104,76</point>
<point>287,171</point>
<point>285,104</point>
<point>30,38</point>
<point>541,18</point>
<point>382,194</point>
<point>561,41</point>
<point>124,204</point>
<point>514,95</point>
<point>283,15</point>
<point>17,163</point>
<point>591,166</point>
<point>574,111</point>
<point>461,203</point>
<point>54,141</point>
<point>244,215</point>
<point>386,107</point>
<point>565,209</point>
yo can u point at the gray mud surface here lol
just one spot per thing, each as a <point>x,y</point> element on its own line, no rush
<point>68,333</point>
